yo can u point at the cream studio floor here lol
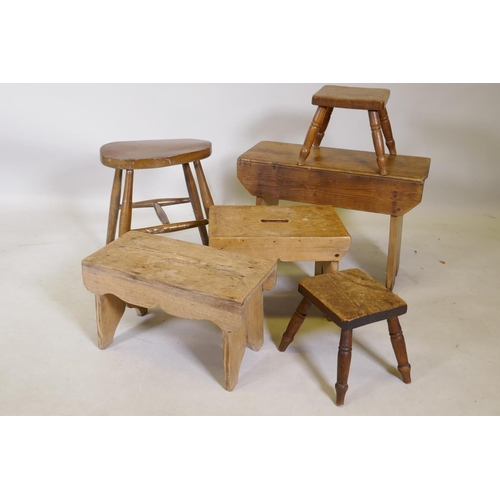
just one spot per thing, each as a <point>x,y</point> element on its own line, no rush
<point>159,365</point>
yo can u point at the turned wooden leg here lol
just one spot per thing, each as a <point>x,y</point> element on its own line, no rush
<point>378,141</point>
<point>387,130</point>
<point>109,311</point>
<point>325,267</point>
<point>126,210</point>
<point>114,205</point>
<point>399,346</point>
<point>343,365</point>
<point>394,250</point>
<point>233,347</point>
<point>253,317</point>
<point>295,323</point>
<point>195,201</point>
<point>266,201</point>
<point>315,127</point>
<point>206,196</point>
<point>324,125</point>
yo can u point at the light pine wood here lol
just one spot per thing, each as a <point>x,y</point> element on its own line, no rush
<point>109,311</point>
<point>338,177</point>
<point>351,299</point>
<point>188,281</point>
<point>286,233</point>
<point>133,155</point>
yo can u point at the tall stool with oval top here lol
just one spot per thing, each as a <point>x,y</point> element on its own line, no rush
<point>130,156</point>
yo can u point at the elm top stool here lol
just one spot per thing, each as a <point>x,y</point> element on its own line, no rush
<point>372,100</point>
<point>351,299</point>
<point>339,177</point>
<point>185,280</point>
<point>286,233</point>
<point>139,155</point>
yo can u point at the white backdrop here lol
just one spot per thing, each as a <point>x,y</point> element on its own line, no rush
<point>50,134</point>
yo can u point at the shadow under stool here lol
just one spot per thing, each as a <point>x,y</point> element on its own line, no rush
<point>351,299</point>
<point>287,233</point>
<point>130,156</point>
<point>185,280</point>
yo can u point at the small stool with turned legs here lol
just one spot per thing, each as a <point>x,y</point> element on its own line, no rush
<point>351,299</point>
<point>130,156</point>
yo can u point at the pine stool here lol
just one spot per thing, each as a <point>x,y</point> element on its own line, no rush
<point>286,233</point>
<point>351,299</point>
<point>139,155</point>
<point>186,280</point>
<point>372,100</point>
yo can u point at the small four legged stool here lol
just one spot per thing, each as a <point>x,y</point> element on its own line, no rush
<point>187,281</point>
<point>287,233</point>
<point>351,299</point>
<point>372,100</point>
<point>140,155</point>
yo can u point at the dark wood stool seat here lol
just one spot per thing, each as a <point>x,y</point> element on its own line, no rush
<point>139,155</point>
<point>351,299</point>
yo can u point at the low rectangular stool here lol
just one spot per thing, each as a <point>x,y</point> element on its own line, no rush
<point>286,233</point>
<point>185,280</point>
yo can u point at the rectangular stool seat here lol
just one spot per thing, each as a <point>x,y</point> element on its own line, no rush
<point>286,233</point>
<point>186,280</point>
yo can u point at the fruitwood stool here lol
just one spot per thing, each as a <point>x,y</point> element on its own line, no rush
<point>288,233</point>
<point>351,299</point>
<point>186,280</point>
<point>372,100</point>
<point>339,177</point>
<point>140,155</point>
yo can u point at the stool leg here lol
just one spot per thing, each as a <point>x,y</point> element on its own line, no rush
<point>295,323</point>
<point>126,211</point>
<point>206,196</point>
<point>254,320</point>
<point>325,267</point>
<point>315,127</point>
<point>394,250</point>
<point>324,125</point>
<point>399,346</point>
<point>266,201</point>
<point>109,311</point>
<point>343,365</point>
<point>387,130</point>
<point>378,141</point>
<point>114,205</point>
<point>195,201</point>
<point>233,348</point>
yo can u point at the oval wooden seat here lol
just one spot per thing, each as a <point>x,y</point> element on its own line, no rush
<point>154,154</point>
<point>351,299</point>
<point>140,155</point>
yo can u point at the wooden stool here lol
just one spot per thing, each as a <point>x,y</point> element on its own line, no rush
<point>186,280</point>
<point>139,155</point>
<point>288,233</point>
<point>339,177</point>
<point>372,100</point>
<point>351,299</point>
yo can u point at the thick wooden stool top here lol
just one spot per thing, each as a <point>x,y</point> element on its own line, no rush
<point>351,298</point>
<point>334,96</point>
<point>287,233</point>
<point>131,155</point>
<point>340,177</point>
<point>160,264</point>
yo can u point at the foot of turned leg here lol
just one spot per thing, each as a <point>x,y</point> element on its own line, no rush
<point>399,346</point>
<point>109,311</point>
<point>295,323</point>
<point>343,365</point>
